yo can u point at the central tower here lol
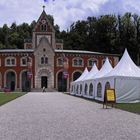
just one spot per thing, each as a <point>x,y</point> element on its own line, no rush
<point>44,45</point>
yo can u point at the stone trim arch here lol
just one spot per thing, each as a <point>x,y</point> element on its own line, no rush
<point>10,70</point>
<point>94,59</point>
<point>56,79</point>
<point>20,79</point>
<point>77,58</point>
<point>10,57</point>
<point>44,72</point>
<point>74,72</point>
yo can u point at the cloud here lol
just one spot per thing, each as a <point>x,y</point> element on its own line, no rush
<point>65,12</point>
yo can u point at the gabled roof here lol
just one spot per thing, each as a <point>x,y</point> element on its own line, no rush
<point>125,67</point>
<point>92,72</point>
<point>106,68</point>
<point>84,74</point>
<point>43,14</point>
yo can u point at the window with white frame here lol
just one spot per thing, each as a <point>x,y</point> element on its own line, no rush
<point>78,62</point>
<point>23,61</point>
<point>10,61</point>
<point>91,62</point>
<point>60,61</point>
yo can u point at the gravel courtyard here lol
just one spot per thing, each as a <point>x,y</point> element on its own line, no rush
<point>56,116</point>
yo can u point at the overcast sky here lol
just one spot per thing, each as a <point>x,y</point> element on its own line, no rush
<point>65,12</point>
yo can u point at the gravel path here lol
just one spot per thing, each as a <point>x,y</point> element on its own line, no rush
<point>56,116</point>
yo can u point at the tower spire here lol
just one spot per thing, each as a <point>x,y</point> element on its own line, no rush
<point>43,7</point>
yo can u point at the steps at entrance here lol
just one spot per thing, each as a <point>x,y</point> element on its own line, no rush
<point>40,90</point>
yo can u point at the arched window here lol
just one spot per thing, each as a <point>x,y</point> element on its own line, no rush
<point>86,87</point>
<point>23,61</point>
<point>107,85</point>
<point>80,89</point>
<point>99,90</point>
<point>59,61</point>
<point>77,89</point>
<point>10,61</point>
<point>92,61</point>
<point>43,27</point>
<point>44,60</point>
<point>71,88</point>
<point>91,89</point>
<point>77,62</point>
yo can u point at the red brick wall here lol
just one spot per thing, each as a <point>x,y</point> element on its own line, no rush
<point>71,69</point>
<point>16,68</point>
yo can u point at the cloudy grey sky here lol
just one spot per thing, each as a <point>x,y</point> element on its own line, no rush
<point>65,12</point>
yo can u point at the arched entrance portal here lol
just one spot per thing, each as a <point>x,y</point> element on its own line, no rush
<point>62,82</point>
<point>26,82</point>
<point>44,78</point>
<point>11,80</point>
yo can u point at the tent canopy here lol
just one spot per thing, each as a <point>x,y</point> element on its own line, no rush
<point>84,74</point>
<point>106,68</point>
<point>126,67</point>
<point>92,72</point>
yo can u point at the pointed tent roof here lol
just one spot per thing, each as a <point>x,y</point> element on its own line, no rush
<point>125,67</point>
<point>83,75</point>
<point>92,72</point>
<point>106,68</point>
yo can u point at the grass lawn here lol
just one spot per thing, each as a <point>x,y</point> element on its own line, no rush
<point>131,107</point>
<point>6,97</point>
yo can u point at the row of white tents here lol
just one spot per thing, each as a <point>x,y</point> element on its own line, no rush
<point>124,78</point>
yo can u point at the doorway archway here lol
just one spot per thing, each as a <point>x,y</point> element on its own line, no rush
<point>10,80</point>
<point>61,82</point>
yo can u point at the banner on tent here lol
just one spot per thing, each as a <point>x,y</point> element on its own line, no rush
<point>109,97</point>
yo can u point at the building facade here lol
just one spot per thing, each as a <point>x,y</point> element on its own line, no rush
<point>44,63</point>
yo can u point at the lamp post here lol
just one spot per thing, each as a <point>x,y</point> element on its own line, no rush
<point>29,73</point>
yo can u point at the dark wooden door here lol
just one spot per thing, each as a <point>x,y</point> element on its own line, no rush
<point>44,82</point>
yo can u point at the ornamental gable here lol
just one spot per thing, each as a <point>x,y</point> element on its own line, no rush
<point>43,24</point>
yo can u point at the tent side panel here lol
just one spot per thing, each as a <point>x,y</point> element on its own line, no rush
<point>127,90</point>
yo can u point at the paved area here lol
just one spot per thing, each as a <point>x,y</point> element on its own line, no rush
<point>56,116</point>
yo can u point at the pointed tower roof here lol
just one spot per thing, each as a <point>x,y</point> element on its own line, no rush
<point>106,68</point>
<point>43,16</point>
<point>92,72</point>
<point>125,67</point>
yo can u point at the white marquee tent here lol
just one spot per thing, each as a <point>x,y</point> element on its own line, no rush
<point>74,84</point>
<point>125,79</point>
<point>106,68</point>
<point>89,83</point>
